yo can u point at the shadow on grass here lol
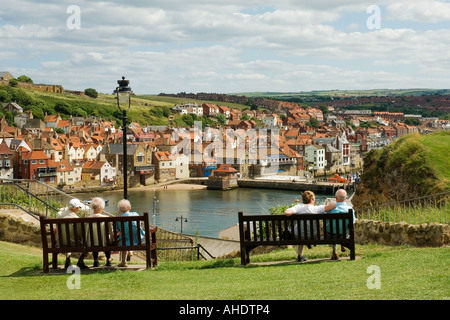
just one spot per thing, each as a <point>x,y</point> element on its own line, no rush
<point>36,270</point>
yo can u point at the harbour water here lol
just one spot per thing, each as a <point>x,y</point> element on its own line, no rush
<point>207,211</point>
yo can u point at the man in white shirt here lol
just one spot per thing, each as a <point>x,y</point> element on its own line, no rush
<point>307,206</point>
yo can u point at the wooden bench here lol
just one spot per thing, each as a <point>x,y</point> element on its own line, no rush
<point>85,235</point>
<point>271,230</point>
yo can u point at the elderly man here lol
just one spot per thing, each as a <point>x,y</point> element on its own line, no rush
<point>71,211</point>
<point>341,207</point>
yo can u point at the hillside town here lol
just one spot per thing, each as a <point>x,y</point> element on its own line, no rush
<point>302,141</point>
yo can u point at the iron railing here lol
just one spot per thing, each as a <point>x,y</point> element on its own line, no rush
<point>35,198</point>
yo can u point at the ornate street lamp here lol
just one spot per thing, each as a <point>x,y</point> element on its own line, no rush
<point>123,92</point>
<point>181,219</point>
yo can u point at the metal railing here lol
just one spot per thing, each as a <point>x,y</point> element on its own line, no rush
<point>34,197</point>
<point>174,246</point>
<point>427,209</point>
<point>183,253</point>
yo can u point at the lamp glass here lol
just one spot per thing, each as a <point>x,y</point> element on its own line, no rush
<point>124,97</point>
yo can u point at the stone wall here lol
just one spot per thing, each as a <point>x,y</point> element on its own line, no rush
<point>16,229</point>
<point>393,234</point>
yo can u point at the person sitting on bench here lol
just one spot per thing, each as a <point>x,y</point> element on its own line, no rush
<point>307,206</point>
<point>341,207</point>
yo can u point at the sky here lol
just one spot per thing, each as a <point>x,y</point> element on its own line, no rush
<point>228,46</point>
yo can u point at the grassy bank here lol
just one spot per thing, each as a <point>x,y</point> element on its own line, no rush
<point>406,273</point>
<point>412,166</point>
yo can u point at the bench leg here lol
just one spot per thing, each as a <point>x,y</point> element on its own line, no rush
<point>45,263</point>
<point>352,252</point>
<point>155,257</point>
<point>55,261</point>
<point>245,256</point>
<point>243,260</point>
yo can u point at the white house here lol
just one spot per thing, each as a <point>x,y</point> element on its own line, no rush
<point>315,155</point>
<point>99,170</point>
<point>182,166</point>
<point>190,108</point>
<point>270,120</point>
<point>90,152</point>
<point>343,146</point>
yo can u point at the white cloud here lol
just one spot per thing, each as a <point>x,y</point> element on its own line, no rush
<point>228,46</point>
<point>422,11</point>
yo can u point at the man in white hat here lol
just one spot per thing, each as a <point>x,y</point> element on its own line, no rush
<point>71,211</point>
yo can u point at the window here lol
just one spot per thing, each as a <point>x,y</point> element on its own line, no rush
<point>33,161</point>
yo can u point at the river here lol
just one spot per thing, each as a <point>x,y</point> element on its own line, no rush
<point>207,211</point>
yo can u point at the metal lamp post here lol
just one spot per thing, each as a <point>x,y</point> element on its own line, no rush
<point>181,219</point>
<point>123,92</point>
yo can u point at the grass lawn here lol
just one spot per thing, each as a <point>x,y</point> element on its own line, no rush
<point>405,273</point>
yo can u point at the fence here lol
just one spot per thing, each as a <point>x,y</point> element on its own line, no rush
<point>35,198</point>
<point>427,209</point>
<point>177,247</point>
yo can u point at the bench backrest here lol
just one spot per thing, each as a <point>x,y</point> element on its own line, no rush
<point>308,228</point>
<point>93,232</point>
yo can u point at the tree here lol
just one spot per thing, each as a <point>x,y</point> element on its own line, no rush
<point>221,118</point>
<point>324,109</point>
<point>5,96</point>
<point>24,78</point>
<point>245,117</point>
<point>63,107</point>
<point>314,122</point>
<point>13,82</point>
<point>90,92</point>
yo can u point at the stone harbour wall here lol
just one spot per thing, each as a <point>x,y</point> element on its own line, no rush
<point>401,233</point>
<point>16,229</point>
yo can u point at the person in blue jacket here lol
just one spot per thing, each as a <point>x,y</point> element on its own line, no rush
<point>341,207</point>
<point>124,207</point>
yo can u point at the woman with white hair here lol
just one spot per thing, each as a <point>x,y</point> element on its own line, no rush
<point>97,205</point>
<point>124,207</point>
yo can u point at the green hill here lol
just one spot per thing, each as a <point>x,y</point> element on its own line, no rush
<point>146,109</point>
<point>414,165</point>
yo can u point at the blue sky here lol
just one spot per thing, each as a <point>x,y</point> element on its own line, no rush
<point>228,46</point>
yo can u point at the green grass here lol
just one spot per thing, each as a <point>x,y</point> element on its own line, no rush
<point>406,273</point>
<point>437,149</point>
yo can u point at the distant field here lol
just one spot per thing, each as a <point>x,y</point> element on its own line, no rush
<point>171,101</point>
<point>349,93</point>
